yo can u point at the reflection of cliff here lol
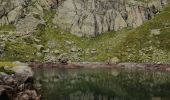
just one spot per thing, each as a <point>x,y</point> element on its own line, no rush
<point>80,17</point>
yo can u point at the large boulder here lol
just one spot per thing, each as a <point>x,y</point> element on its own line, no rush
<point>14,15</point>
<point>30,23</point>
<point>22,71</point>
<point>19,84</point>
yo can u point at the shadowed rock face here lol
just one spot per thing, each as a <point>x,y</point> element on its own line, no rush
<point>92,17</point>
<point>80,17</point>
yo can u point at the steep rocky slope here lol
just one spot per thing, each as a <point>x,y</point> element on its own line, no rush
<point>26,15</point>
<point>92,17</point>
<point>80,17</point>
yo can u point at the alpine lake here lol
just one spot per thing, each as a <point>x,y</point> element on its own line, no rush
<point>102,84</point>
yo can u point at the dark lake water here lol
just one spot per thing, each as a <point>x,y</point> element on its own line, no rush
<point>102,84</point>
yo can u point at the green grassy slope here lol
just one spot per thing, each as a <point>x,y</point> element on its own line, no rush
<point>140,45</point>
<point>17,48</point>
<point>135,45</point>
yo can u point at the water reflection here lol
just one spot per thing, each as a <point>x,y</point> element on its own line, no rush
<point>102,84</point>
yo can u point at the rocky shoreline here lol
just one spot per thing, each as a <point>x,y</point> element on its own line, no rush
<point>17,83</point>
<point>92,65</point>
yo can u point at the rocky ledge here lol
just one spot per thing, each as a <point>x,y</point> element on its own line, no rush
<point>16,83</point>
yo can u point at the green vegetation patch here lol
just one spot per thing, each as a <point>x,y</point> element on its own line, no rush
<point>7,28</point>
<point>9,64</point>
<point>142,46</point>
<point>19,51</point>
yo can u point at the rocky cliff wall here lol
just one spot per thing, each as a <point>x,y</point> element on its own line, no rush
<point>92,17</point>
<point>80,17</point>
<point>26,15</point>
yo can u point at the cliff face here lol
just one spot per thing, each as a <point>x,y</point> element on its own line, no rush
<point>80,17</point>
<point>92,17</point>
<point>26,15</point>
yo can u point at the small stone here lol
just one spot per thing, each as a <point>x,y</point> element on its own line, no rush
<point>166,24</point>
<point>73,50</point>
<point>63,59</point>
<point>4,39</point>
<point>38,54</point>
<point>46,51</point>
<point>155,32</point>
<point>2,36</point>
<point>39,47</point>
<point>113,60</point>
<point>37,40</point>
<point>56,51</point>
<point>80,54</point>
<point>69,42</point>
<point>61,33</point>
<point>93,51</point>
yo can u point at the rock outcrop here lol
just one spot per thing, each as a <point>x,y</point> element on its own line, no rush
<point>26,15</point>
<point>16,83</point>
<point>92,17</point>
<point>80,17</point>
